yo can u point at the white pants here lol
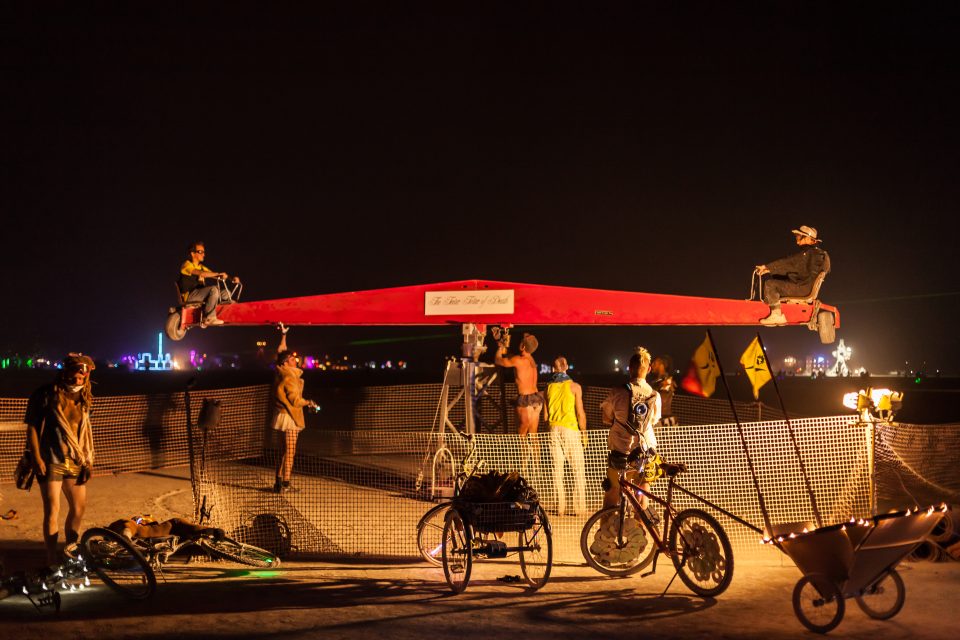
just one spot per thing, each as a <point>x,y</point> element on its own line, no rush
<point>565,444</point>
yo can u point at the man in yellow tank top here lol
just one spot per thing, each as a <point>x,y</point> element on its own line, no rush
<point>564,413</point>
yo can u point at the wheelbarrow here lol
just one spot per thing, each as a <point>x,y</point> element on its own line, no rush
<point>856,559</point>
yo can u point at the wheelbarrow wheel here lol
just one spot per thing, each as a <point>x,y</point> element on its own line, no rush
<point>884,598</point>
<point>701,553</point>
<point>818,603</point>
<point>455,551</point>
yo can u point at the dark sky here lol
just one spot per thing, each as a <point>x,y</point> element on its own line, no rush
<point>660,146</point>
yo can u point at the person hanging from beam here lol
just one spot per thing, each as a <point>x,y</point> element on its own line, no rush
<point>529,401</point>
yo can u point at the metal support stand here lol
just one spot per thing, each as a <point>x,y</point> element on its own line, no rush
<point>871,435</point>
<point>465,379</point>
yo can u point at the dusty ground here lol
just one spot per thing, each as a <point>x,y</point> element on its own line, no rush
<point>411,600</point>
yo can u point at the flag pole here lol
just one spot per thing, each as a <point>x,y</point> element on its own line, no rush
<point>743,440</point>
<point>793,437</point>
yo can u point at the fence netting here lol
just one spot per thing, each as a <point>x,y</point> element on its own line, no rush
<point>371,465</point>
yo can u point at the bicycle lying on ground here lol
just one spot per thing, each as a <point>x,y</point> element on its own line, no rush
<point>107,554</point>
<point>157,550</point>
<point>623,539</point>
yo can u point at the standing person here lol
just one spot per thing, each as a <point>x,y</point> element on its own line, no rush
<point>662,382</point>
<point>793,276</point>
<point>630,411</point>
<point>193,286</point>
<point>288,404</point>
<point>563,410</point>
<point>60,439</point>
<point>529,401</point>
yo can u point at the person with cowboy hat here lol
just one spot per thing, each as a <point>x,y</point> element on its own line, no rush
<point>794,275</point>
<point>60,442</point>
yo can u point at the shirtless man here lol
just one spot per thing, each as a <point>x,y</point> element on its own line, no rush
<point>529,400</point>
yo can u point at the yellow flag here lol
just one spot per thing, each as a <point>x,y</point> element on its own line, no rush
<point>755,364</point>
<point>702,375</point>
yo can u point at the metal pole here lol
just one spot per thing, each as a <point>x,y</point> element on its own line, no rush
<point>190,451</point>
<point>793,437</point>
<point>871,433</point>
<point>469,379</point>
<point>743,440</point>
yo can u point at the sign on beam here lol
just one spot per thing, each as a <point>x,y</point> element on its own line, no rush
<point>487,301</point>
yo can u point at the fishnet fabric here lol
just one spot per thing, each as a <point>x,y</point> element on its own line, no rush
<point>141,432</point>
<point>414,407</point>
<point>362,491</point>
<point>916,465</point>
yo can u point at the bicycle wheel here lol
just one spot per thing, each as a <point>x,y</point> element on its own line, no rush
<point>115,560</point>
<point>536,551</point>
<point>884,598</point>
<point>701,553</point>
<point>430,534</point>
<point>818,603</point>
<point>616,544</point>
<point>455,551</point>
<point>239,552</point>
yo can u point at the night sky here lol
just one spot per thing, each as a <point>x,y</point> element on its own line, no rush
<point>659,146</point>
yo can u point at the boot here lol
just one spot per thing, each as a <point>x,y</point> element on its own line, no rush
<point>278,486</point>
<point>775,319</point>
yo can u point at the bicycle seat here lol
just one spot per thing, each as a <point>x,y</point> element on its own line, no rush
<point>673,469</point>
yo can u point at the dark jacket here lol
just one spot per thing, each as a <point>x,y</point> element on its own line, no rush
<point>801,268</point>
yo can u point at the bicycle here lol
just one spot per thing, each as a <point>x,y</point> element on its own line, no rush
<point>158,550</point>
<point>110,556</point>
<point>624,539</point>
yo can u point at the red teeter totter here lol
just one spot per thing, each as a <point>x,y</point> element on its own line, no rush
<point>487,302</point>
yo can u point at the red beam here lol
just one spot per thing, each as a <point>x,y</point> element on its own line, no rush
<point>516,304</point>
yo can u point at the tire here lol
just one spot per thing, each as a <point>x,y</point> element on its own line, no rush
<point>818,603</point>
<point>701,553</point>
<point>884,598</point>
<point>536,551</point>
<point>239,552</point>
<point>612,553</point>
<point>456,551</point>
<point>430,534</point>
<point>118,564</point>
<point>826,327</point>
<point>174,328</point>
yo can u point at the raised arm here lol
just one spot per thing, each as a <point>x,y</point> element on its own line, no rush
<point>501,360</point>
